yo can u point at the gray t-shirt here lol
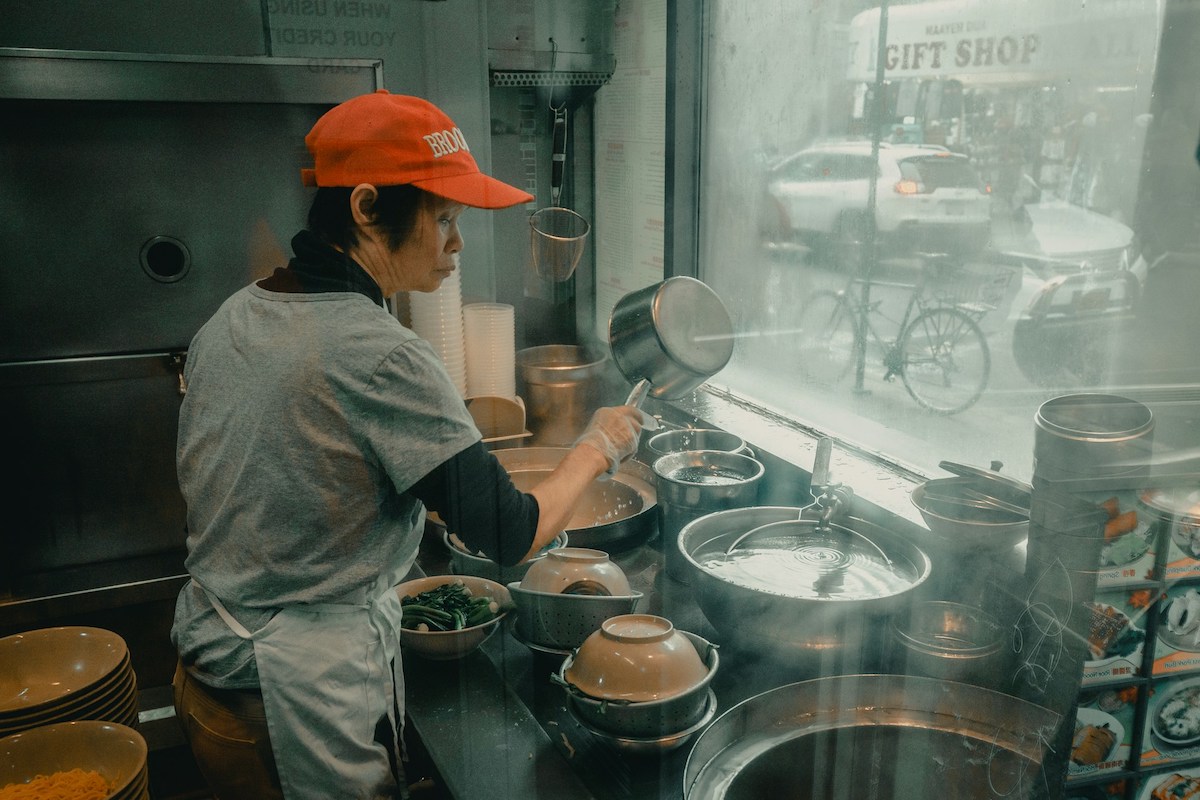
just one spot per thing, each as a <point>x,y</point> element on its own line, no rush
<point>307,417</point>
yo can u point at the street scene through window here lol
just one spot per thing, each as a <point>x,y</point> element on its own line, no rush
<point>927,222</point>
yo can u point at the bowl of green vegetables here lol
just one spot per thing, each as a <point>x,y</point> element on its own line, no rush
<point>448,616</point>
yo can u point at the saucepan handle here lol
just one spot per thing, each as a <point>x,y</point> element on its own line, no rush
<point>640,390</point>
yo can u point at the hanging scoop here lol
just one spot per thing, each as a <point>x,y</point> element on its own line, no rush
<point>557,238</point>
<point>557,234</point>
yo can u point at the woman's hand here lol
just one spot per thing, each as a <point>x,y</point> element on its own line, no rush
<point>614,432</point>
<point>610,438</point>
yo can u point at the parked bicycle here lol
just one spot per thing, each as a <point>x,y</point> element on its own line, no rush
<point>938,351</point>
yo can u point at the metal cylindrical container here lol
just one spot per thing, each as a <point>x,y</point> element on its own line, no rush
<point>1091,457</point>
<point>684,439</point>
<point>562,387</point>
<point>1089,440</point>
<point>693,483</point>
<point>676,334</point>
<point>953,641</point>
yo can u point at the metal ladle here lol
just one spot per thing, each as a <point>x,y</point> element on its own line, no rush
<point>978,501</point>
<point>983,494</point>
<point>826,505</point>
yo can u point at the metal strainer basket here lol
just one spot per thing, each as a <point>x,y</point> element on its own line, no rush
<point>563,621</point>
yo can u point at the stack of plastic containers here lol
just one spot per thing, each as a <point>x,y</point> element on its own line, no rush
<point>490,333</point>
<point>437,317</point>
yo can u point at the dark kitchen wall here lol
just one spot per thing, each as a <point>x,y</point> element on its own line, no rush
<point>94,501</point>
<point>186,27</point>
<point>437,50</point>
<point>107,157</point>
<point>489,63</point>
<point>107,160</point>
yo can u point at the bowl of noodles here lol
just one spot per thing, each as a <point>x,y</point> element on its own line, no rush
<point>83,760</point>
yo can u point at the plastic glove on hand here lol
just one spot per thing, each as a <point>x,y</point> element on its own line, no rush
<point>614,432</point>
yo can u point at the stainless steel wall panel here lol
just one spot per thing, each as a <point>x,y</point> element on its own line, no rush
<point>90,447</point>
<point>136,194</point>
<point>84,187</point>
<point>125,221</point>
<point>30,74</point>
<point>540,35</point>
<point>225,27</point>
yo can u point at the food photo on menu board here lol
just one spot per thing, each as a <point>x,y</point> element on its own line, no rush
<point>1103,737</point>
<point>1128,553</point>
<point>1116,635</point>
<point>1177,525</point>
<point>1172,729</point>
<point>1171,785</point>
<point>1178,647</point>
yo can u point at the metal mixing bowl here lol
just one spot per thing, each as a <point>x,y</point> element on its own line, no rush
<point>464,563</point>
<point>960,521</point>
<point>804,630</point>
<point>613,515</point>
<point>650,745</point>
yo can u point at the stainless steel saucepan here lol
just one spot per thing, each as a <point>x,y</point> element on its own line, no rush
<point>669,338</point>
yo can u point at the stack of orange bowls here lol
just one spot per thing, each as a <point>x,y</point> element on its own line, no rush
<point>55,675</point>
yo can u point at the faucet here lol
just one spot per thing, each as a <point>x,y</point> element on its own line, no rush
<point>828,497</point>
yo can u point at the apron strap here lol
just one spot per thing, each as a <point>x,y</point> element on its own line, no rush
<point>221,610</point>
<point>243,632</point>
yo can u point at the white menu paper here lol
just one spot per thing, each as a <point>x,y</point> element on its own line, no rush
<point>630,158</point>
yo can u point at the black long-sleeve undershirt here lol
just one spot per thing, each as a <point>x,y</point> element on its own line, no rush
<point>476,498</point>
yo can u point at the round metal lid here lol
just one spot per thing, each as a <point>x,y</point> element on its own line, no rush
<point>993,475</point>
<point>1006,490</point>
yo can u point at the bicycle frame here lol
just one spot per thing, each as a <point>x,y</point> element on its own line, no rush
<point>938,351</point>
<point>863,308</point>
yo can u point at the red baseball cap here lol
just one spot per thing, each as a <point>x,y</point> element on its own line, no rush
<point>390,139</point>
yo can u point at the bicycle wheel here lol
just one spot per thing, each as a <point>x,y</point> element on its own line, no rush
<point>826,337</point>
<point>946,360</point>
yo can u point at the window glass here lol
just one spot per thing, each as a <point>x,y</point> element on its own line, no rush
<point>1025,230</point>
<point>1029,166</point>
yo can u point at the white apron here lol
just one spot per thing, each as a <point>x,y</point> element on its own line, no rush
<point>329,672</point>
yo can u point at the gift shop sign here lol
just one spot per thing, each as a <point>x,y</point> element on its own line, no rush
<point>1005,40</point>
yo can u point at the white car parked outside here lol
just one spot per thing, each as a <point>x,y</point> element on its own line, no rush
<point>927,198</point>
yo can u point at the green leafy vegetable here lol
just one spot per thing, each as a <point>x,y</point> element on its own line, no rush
<point>449,607</point>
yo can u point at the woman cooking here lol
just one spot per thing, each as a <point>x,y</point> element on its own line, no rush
<point>315,432</point>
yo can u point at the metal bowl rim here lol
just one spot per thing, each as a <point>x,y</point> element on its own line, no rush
<point>515,587</point>
<point>922,564</point>
<point>667,741</point>
<point>917,496</point>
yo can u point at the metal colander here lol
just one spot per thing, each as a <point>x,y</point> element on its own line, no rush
<point>563,621</point>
